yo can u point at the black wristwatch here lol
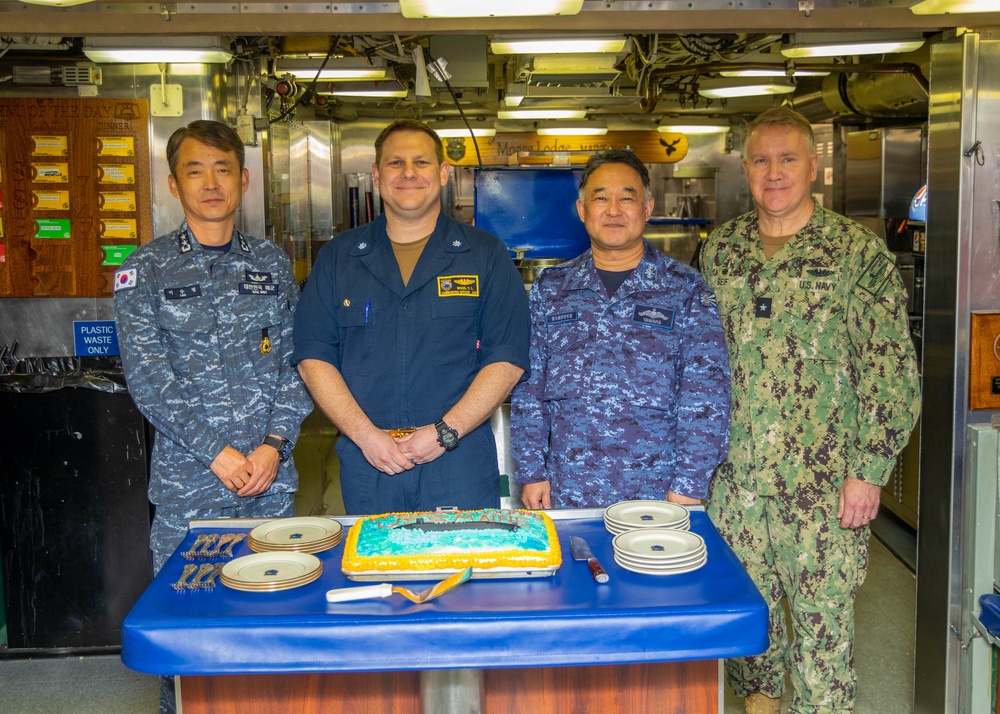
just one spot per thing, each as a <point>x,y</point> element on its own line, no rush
<point>447,437</point>
<point>283,446</point>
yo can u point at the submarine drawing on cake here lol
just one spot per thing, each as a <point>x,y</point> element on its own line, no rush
<point>425,525</point>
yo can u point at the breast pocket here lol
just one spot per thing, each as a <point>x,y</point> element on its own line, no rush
<point>187,329</point>
<point>454,330</point>
<point>568,362</point>
<point>263,319</point>
<point>814,325</point>
<point>356,340</point>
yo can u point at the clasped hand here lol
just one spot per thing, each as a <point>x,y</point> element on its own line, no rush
<point>394,455</point>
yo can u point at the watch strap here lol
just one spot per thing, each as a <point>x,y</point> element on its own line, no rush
<point>281,444</point>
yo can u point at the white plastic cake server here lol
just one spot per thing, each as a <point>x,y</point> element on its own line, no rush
<point>385,590</point>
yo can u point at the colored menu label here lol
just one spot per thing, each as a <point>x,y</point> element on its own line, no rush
<point>46,200</point>
<point>52,228</point>
<point>117,200</point>
<point>118,228</point>
<point>115,146</point>
<point>117,254</point>
<point>116,173</point>
<point>50,145</point>
<point>50,173</point>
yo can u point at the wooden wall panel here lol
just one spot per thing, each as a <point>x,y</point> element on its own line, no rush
<point>51,177</point>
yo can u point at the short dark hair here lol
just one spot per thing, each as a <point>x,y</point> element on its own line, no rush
<point>615,156</point>
<point>213,133</point>
<point>781,116</point>
<point>408,125</point>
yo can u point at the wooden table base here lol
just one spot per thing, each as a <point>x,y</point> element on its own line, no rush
<point>639,688</point>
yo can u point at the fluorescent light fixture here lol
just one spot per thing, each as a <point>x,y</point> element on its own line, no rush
<point>159,50</point>
<point>743,87</point>
<point>450,129</point>
<point>580,129</point>
<point>387,89</point>
<point>342,68</point>
<point>816,45</point>
<point>949,7</point>
<point>777,71</point>
<point>517,114</point>
<point>57,3</point>
<point>693,125</point>
<point>419,9</point>
<point>503,45</point>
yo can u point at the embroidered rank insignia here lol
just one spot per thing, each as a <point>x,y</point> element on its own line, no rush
<point>182,293</point>
<point>762,307</point>
<point>254,276</point>
<point>258,288</point>
<point>454,285</point>
<point>559,317</point>
<point>876,275</point>
<point>820,272</point>
<point>244,246</point>
<point>652,316</point>
<point>126,279</point>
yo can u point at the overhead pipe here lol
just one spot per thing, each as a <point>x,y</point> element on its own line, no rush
<point>650,93</point>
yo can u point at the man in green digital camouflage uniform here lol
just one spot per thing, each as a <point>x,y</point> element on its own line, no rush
<point>825,393</point>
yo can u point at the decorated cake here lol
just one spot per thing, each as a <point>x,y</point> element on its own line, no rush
<point>493,542</point>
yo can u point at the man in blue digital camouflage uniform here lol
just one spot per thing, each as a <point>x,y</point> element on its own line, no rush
<point>204,319</point>
<point>825,394</point>
<point>411,331</point>
<point>628,396</point>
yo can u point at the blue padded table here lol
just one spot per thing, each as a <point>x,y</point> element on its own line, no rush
<point>560,621</point>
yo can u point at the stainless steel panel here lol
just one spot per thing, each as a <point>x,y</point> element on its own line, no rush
<point>43,327</point>
<point>884,170</point>
<point>961,264</point>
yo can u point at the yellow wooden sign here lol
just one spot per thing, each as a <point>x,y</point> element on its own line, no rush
<point>116,200</point>
<point>522,148</point>
<point>115,146</point>
<point>118,228</point>
<point>50,173</point>
<point>47,200</point>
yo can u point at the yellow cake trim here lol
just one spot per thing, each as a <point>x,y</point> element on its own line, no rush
<point>354,563</point>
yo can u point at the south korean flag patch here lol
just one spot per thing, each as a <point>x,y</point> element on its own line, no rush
<point>125,279</point>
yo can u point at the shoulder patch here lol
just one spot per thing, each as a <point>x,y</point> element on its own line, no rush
<point>876,275</point>
<point>707,299</point>
<point>126,279</point>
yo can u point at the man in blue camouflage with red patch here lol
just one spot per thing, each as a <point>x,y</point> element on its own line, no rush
<point>825,394</point>
<point>628,396</point>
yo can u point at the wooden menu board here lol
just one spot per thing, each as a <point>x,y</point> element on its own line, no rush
<point>984,361</point>
<point>74,193</point>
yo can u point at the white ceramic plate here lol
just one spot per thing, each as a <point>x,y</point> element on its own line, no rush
<point>663,571</point>
<point>296,532</point>
<point>658,543</point>
<point>661,562</point>
<point>270,568</point>
<point>645,514</point>
<point>618,529</point>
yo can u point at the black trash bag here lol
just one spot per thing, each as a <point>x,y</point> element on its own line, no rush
<point>37,375</point>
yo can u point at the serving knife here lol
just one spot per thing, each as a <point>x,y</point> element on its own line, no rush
<point>581,551</point>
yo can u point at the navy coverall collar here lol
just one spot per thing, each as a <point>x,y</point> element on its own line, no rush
<point>375,251</point>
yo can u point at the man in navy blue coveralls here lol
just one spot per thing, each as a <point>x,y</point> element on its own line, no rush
<point>413,320</point>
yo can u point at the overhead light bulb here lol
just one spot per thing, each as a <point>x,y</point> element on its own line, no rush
<point>342,68</point>
<point>419,9</point>
<point>743,87</point>
<point>812,45</point>
<point>170,49</point>
<point>776,71</point>
<point>952,7</point>
<point>56,3</point>
<point>515,114</point>
<point>584,129</point>
<point>693,125</point>
<point>504,45</point>
<point>388,89</point>
<point>457,129</point>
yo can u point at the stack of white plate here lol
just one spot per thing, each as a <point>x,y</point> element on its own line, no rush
<point>660,551</point>
<point>299,535</point>
<point>638,515</point>
<point>271,571</point>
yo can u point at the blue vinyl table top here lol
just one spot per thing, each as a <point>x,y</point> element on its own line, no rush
<point>565,619</point>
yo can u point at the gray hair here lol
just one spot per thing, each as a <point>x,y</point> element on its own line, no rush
<point>784,117</point>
